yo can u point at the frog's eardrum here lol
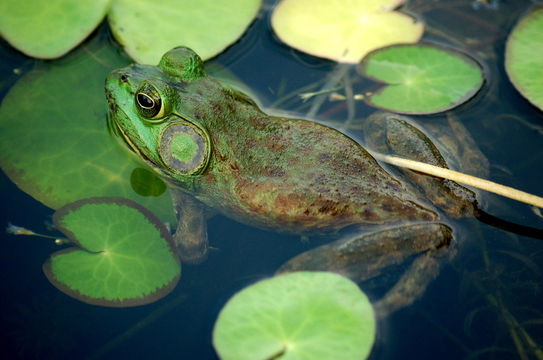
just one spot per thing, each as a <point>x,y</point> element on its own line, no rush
<point>184,148</point>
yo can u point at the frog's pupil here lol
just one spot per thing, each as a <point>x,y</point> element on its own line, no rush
<point>145,101</point>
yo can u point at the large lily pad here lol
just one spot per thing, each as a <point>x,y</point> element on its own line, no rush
<point>343,30</point>
<point>49,28</point>
<point>524,57</point>
<point>300,315</point>
<point>54,139</point>
<point>124,255</point>
<point>421,79</point>
<point>147,28</point>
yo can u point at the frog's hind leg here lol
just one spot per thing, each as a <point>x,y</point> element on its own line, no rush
<point>411,284</point>
<point>190,237</point>
<point>363,257</point>
<point>394,134</point>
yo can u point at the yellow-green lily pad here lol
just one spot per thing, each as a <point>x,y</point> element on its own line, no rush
<point>295,316</point>
<point>343,30</point>
<point>524,57</point>
<point>48,29</point>
<point>54,139</point>
<point>149,28</point>
<point>124,255</point>
<point>421,79</point>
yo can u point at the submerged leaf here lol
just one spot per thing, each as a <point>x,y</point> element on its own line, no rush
<point>421,79</point>
<point>124,255</point>
<point>343,30</point>
<point>146,183</point>
<point>300,315</point>
<point>147,28</point>
<point>524,57</point>
<point>54,140</point>
<point>48,29</point>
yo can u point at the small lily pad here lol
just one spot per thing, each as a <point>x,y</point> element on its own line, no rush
<point>124,255</point>
<point>48,29</point>
<point>343,30</point>
<point>524,57</point>
<point>147,28</point>
<point>421,79</point>
<point>300,315</point>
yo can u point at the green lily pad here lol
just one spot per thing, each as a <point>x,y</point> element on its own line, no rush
<point>524,57</point>
<point>147,28</point>
<point>300,315</point>
<point>124,255</point>
<point>48,29</point>
<point>421,79</point>
<point>54,140</point>
<point>343,30</point>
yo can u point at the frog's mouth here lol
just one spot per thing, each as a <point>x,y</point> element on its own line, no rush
<point>115,128</point>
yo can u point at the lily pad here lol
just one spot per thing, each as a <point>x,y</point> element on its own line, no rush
<point>48,29</point>
<point>147,28</point>
<point>124,255</point>
<point>421,79</point>
<point>524,57</point>
<point>343,30</point>
<point>54,140</point>
<point>300,315</point>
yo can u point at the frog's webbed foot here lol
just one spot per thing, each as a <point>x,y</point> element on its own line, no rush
<point>190,237</point>
<point>363,257</point>
<point>394,134</point>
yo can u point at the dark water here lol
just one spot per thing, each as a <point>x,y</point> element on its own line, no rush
<point>490,295</point>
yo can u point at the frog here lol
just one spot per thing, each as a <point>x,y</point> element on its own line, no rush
<point>218,152</point>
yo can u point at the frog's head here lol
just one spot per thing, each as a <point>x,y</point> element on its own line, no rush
<point>146,107</point>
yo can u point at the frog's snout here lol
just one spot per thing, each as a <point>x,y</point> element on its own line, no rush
<point>116,80</point>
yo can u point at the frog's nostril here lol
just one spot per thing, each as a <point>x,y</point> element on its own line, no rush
<point>123,78</point>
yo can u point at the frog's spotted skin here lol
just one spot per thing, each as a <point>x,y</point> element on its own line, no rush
<point>287,174</point>
<point>216,148</point>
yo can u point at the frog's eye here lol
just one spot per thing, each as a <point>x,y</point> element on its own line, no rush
<point>149,103</point>
<point>185,148</point>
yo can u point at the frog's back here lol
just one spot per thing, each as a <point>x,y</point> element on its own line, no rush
<point>299,176</point>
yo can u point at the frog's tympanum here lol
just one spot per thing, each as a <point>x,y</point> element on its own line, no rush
<point>217,150</point>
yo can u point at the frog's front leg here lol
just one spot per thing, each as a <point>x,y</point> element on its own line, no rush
<point>366,256</point>
<point>190,236</point>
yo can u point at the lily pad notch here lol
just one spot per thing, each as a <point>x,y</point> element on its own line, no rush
<point>299,315</point>
<point>343,30</point>
<point>123,255</point>
<point>421,78</point>
<point>146,29</point>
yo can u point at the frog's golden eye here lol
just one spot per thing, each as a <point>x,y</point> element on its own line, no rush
<point>149,103</point>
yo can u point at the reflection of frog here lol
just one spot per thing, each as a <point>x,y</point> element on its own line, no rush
<point>217,149</point>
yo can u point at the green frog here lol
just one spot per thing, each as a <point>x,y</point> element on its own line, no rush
<point>218,151</point>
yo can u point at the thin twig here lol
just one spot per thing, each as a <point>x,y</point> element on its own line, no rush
<point>463,179</point>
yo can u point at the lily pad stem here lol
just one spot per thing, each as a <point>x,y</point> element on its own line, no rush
<point>334,79</point>
<point>463,179</point>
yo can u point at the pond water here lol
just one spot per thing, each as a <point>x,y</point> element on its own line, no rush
<point>487,303</point>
